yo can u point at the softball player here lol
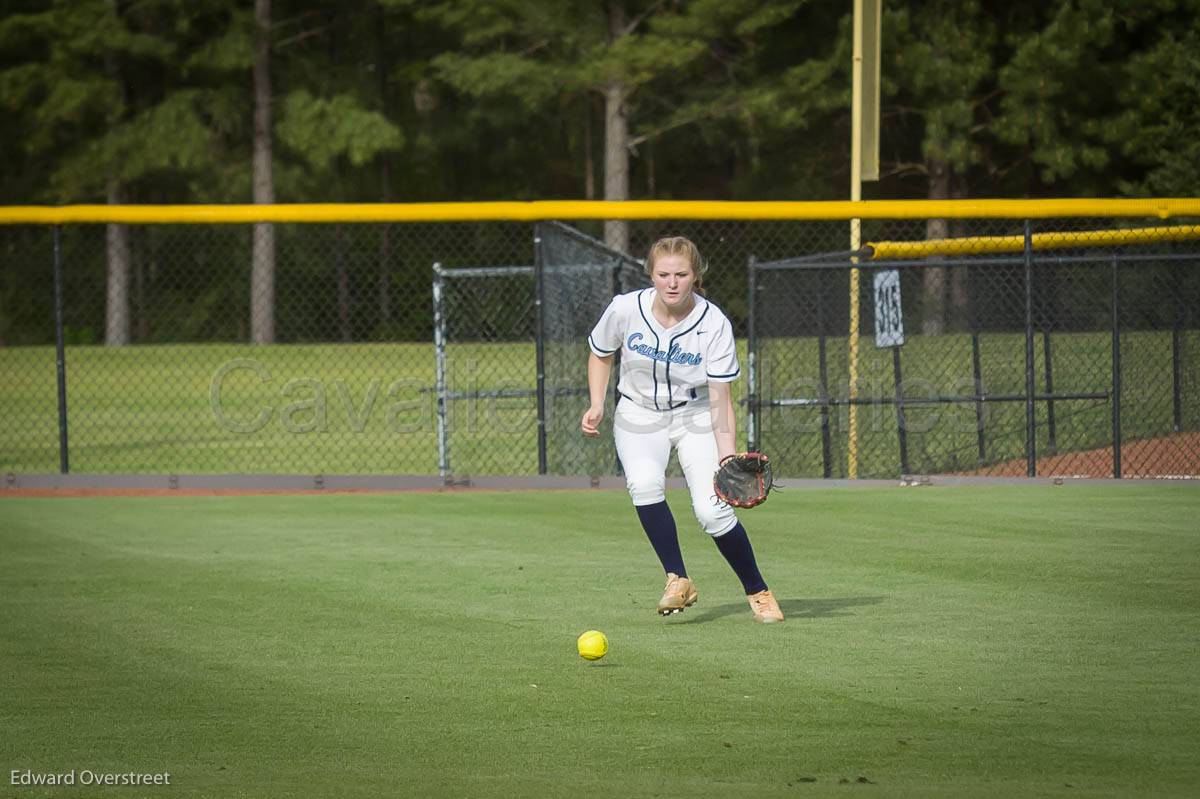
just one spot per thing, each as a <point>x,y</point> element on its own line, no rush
<point>678,359</point>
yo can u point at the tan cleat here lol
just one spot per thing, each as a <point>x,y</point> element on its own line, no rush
<point>766,609</point>
<point>680,593</point>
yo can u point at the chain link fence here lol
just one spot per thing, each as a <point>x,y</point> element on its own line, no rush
<point>1068,348</point>
<point>158,375</point>
<point>579,278</point>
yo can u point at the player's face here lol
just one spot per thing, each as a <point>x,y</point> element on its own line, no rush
<point>673,280</point>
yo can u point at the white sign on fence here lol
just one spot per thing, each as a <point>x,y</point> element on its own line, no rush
<point>889,321</point>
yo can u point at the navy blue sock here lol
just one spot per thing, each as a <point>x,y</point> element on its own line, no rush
<point>735,546</point>
<point>659,525</point>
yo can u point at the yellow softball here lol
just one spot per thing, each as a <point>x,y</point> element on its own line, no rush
<point>592,645</point>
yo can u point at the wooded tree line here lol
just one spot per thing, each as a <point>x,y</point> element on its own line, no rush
<point>149,101</point>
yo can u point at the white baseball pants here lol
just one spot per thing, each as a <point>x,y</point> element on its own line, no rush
<point>644,439</point>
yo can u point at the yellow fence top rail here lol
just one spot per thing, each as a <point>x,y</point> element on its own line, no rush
<point>598,209</point>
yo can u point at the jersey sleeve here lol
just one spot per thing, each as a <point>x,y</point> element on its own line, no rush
<point>722,355</point>
<point>605,338</point>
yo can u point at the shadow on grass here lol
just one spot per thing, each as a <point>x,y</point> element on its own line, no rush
<point>792,608</point>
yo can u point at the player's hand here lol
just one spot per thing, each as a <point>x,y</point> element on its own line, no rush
<point>590,424</point>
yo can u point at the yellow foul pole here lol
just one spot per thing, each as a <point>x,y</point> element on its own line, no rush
<point>855,234</point>
<point>864,165</point>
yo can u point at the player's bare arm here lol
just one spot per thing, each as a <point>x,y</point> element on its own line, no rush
<point>720,398</point>
<point>599,370</point>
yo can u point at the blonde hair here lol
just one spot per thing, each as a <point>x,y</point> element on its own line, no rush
<point>677,245</point>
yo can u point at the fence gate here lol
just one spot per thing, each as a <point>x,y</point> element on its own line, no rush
<point>511,357</point>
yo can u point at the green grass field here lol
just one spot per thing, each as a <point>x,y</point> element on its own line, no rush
<point>944,641</point>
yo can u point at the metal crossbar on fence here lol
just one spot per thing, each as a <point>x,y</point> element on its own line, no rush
<point>125,346</point>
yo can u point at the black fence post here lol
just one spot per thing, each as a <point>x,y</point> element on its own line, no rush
<point>1051,433</point>
<point>977,370</point>
<point>753,417</point>
<point>60,350</point>
<point>1176,332</point>
<point>1116,367</point>
<point>902,433</point>
<point>823,375</point>
<point>823,397</point>
<point>1030,419</point>
<point>540,340</point>
<point>439,355</point>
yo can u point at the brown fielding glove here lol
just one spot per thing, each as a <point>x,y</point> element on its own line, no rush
<point>744,480</point>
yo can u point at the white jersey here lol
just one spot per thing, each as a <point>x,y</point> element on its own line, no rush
<point>666,367</point>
